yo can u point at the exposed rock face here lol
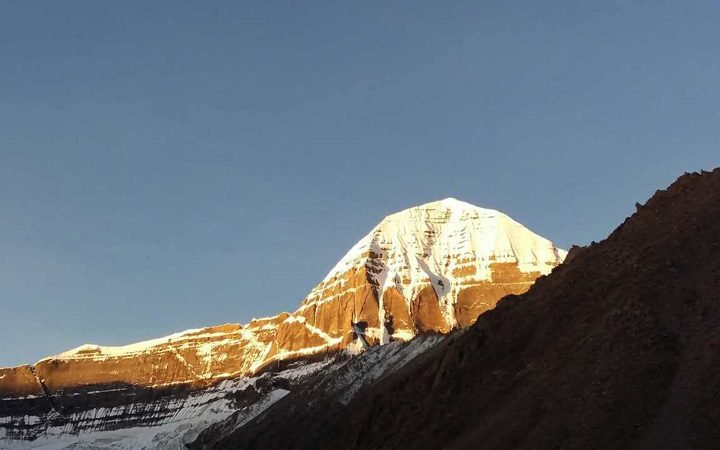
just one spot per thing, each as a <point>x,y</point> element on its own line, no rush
<point>431,268</point>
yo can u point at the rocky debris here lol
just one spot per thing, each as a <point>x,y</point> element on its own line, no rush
<point>617,348</point>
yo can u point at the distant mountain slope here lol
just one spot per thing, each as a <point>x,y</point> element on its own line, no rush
<point>618,348</point>
<point>431,268</point>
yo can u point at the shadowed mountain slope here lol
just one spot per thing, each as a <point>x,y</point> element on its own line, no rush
<point>617,348</point>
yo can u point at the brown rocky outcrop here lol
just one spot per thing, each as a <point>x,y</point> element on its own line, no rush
<point>19,381</point>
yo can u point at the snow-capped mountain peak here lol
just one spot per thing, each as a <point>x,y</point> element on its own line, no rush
<point>448,244</point>
<point>429,268</point>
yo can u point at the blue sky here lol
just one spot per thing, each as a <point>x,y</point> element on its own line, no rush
<point>171,165</point>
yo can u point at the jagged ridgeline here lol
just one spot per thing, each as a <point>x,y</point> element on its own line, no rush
<point>428,269</point>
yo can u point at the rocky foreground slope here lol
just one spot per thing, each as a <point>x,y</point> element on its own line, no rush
<point>428,269</point>
<point>618,348</point>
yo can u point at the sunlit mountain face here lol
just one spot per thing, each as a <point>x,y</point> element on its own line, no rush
<point>428,269</point>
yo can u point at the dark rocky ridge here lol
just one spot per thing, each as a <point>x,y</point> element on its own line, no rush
<point>617,348</point>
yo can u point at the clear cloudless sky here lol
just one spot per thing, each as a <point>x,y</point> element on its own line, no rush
<point>172,164</point>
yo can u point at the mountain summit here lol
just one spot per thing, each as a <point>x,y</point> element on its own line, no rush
<point>434,267</point>
<point>430,268</point>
